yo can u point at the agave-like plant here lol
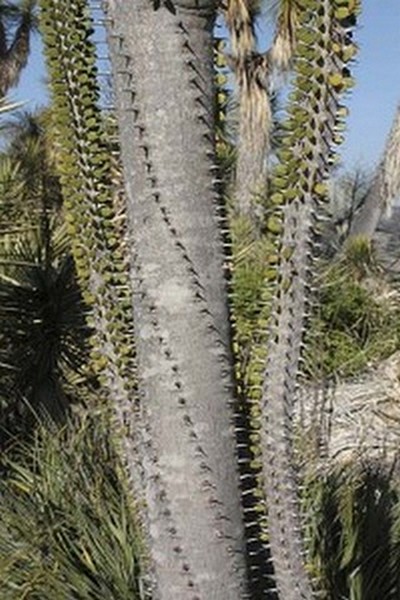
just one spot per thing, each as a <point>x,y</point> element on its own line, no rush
<point>42,325</point>
<point>353,529</point>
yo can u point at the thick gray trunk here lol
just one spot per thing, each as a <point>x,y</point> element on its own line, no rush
<point>163,61</point>
<point>385,187</point>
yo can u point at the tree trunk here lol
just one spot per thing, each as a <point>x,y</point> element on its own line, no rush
<point>385,187</point>
<point>162,58</point>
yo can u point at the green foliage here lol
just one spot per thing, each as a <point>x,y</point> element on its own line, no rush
<point>30,188</point>
<point>359,257</point>
<point>90,189</point>
<point>43,334</point>
<point>67,530</point>
<point>352,514</point>
<point>353,327</point>
<point>253,259</point>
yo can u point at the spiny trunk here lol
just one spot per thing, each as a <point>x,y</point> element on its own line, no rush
<point>385,187</point>
<point>162,55</point>
<point>299,186</point>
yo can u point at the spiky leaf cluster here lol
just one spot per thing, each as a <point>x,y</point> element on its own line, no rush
<point>353,530</point>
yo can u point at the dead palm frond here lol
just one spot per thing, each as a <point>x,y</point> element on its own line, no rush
<point>240,18</point>
<point>255,73</point>
<point>255,122</point>
<point>14,55</point>
<point>282,48</point>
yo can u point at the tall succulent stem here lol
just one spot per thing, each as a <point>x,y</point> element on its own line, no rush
<point>162,58</point>
<point>91,210</point>
<point>299,190</point>
<point>172,390</point>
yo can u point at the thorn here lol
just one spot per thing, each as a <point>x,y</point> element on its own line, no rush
<point>182,27</point>
<point>204,119</point>
<point>196,84</point>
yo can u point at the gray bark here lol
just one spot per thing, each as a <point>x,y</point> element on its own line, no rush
<point>162,58</point>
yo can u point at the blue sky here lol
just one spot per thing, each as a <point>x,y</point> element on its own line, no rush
<point>372,103</point>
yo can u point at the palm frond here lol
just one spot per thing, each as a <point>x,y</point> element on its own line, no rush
<point>282,48</point>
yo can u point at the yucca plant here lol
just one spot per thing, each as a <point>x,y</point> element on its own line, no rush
<point>43,331</point>
<point>42,325</point>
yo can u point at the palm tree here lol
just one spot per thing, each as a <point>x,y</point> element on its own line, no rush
<point>14,54</point>
<point>255,74</point>
<point>29,182</point>
<point>172,386</point>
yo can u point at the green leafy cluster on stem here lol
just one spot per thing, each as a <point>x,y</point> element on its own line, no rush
<point>296,202</point>
<point>89,189</point>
